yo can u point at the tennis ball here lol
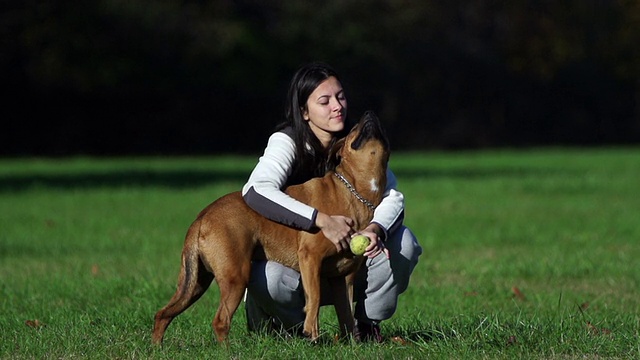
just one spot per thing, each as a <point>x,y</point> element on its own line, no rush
<point>358,244</point>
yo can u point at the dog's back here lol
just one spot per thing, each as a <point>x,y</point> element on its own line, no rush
<point>220,232</point>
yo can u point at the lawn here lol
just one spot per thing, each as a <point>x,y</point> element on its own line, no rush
<point>527,254</point>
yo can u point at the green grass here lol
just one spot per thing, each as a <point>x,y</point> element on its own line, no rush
<point>527,254</point>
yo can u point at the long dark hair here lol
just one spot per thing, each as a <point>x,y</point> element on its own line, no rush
<point>312,158</point>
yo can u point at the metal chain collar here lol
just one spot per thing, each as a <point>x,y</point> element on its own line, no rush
<point>354,191</point>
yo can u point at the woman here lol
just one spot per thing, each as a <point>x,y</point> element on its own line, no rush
<point>316,113</point>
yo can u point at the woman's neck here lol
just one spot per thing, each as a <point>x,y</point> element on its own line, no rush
<point>324,137</point>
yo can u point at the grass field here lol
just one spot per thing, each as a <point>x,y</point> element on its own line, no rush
<point>527,254</point>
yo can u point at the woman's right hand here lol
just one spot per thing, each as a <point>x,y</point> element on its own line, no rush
<point>337,228</point>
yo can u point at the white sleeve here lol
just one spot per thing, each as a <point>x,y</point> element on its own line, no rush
<point>390,213</point>
<point>263,191</point>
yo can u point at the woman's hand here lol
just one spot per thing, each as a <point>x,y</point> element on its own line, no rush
<point>376,246</point>
<point>337,228</point>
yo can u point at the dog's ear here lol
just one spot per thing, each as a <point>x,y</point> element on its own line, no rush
<point>334,152</point>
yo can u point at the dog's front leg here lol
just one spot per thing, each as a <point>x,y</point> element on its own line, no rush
<point>310,271</point>
<point>342,292</point>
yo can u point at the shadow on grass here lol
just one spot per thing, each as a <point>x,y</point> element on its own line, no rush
<point>187,179</point>
<point>480,173</point>
<point>118,179</point>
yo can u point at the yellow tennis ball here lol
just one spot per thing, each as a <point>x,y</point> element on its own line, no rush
<point>358,244</point>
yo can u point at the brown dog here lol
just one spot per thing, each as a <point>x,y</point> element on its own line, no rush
<point>221,241</point>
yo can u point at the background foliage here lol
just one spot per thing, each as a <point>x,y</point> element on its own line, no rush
<point>175,77</point>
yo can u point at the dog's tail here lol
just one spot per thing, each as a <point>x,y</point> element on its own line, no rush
<point>194,277</point>
<point>193,281</point>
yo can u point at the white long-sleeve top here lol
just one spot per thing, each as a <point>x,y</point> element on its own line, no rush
<point>263,192</point>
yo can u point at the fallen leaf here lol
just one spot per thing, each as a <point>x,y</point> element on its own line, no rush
<point>512,340</point>
<point>36,324</point>
<point>595,331</point>
<point>518,294</point>
<point>584,305</point>
<point>95,269</point>
<point>398,340</point>
<point>471,293</point>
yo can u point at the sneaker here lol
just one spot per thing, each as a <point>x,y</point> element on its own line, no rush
<point>368,332</point>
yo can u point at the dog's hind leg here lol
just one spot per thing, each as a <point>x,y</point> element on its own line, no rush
<point>232,282</point>
<point>193,281</point>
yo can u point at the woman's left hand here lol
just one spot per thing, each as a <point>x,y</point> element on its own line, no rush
<point>376,246</point>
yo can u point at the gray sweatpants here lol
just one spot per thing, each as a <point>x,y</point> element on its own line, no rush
<point>275,295</point>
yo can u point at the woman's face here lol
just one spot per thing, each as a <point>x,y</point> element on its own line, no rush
<point>326,110</point>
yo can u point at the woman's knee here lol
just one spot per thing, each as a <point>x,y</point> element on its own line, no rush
<point>404,247</point>
<point>275,282</point>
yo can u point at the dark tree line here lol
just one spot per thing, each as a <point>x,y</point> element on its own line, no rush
<point>196,77</point>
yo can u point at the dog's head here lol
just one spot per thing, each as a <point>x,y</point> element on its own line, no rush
<point>365,150</point>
